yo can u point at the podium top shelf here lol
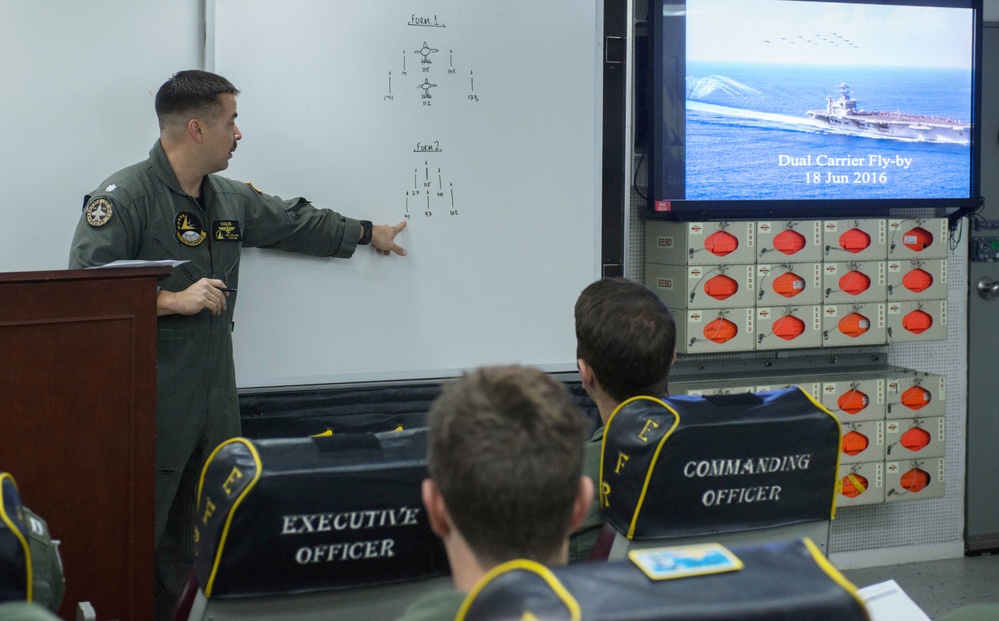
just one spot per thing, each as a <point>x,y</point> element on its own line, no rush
<point>155,271</point>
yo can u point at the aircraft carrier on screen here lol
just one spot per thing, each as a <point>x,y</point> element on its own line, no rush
<point>843,115</point>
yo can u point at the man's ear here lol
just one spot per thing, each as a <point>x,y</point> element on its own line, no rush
<point>437,513</point>
<point>586,373</point>
<point>584,498</point>
<point>195,129</point>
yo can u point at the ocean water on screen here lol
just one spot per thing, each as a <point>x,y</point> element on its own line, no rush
<point>746,117</point>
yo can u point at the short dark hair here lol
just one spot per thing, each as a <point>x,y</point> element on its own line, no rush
<point>626,334</point>
<point>191,93</point>
<point>505,448</point>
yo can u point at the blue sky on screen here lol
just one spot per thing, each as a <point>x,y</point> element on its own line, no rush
<point>828,33</point>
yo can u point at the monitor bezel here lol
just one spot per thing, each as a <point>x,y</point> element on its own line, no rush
<point>714,209</point>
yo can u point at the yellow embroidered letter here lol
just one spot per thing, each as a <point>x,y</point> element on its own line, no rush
<point>227,486</point>
<point>605,491</point>
<point>209,509</point>
<point>622,459</point>
<point>649,424</point>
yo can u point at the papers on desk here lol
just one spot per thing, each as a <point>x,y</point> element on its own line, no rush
<point>886,601</point>
<point>139,263</point>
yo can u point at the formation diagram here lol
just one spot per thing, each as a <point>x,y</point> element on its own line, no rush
<point>425,67</point>
<point>431,195</point>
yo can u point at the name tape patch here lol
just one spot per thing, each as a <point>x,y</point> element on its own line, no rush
<point>226,230</point>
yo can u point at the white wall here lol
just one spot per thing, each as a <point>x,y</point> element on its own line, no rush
<point>78,79</point>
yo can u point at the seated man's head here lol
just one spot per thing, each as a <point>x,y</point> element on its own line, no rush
<point>505,455</point>
<point>625,341</point>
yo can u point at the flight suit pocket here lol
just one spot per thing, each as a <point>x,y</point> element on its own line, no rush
<point>184,274</point>
<point>170,341</point>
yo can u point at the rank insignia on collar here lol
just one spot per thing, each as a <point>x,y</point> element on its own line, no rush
<point>254,188</point>
<point>189,230</point>
<point>98,212</point>
<point>226,230</point>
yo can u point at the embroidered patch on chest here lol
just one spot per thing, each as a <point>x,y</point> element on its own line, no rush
<point>226,230</point>
<point>98,212</point>
<point>189,229</point>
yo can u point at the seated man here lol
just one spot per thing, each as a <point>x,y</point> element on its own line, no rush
<point>625,344</point>
<point>505,458</point>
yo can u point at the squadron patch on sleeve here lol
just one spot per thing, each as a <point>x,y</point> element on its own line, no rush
<point>98,212</point>
<point>189,229</point>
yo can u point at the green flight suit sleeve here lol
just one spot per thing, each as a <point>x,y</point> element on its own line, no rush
<point>295,225</point>
<point>106,232</point>
<point>584,539</point>
<point>973,612</point>
<point>48,580</point>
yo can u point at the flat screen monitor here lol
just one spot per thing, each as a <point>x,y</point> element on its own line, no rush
<point>812,108</point>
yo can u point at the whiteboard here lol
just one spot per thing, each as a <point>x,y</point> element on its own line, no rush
<point>476,122</point>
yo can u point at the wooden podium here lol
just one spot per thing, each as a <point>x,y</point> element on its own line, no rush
<point>78,424</point>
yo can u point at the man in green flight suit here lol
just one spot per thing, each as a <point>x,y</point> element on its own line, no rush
<point>625,345</point>
<point>172,206</point>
